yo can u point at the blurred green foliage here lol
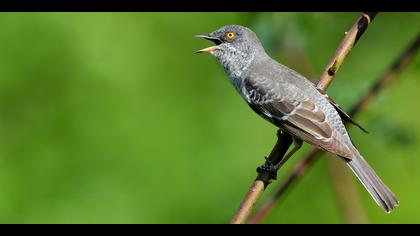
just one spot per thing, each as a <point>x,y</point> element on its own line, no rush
<point>112,117</point>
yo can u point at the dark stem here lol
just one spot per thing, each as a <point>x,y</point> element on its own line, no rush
<point>405,58</point>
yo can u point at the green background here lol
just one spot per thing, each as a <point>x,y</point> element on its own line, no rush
<point>112,117</point>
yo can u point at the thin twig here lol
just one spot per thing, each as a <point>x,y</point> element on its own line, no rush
<point>265,176</point>
<point>389,75</point>
<point>350,39</point>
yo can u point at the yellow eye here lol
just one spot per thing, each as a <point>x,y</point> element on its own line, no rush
<point>230,35</point>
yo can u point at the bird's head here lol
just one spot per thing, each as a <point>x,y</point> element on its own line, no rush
<point>235,45</point>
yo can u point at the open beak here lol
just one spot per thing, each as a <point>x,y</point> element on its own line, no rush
<point>217,41</point>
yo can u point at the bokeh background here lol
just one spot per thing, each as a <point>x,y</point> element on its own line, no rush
<point>112,118</point>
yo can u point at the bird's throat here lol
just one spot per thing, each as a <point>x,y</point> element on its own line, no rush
<point>235,64</point>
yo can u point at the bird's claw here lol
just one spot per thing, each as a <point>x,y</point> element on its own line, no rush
<point>269,168</point>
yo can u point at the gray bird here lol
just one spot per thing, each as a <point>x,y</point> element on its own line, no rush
<point>291,102</point>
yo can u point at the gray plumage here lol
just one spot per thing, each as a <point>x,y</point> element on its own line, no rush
<point>291,102</point>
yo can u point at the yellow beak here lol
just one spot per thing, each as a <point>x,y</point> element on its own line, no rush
<point>213,39</point>
<point>209,49</point>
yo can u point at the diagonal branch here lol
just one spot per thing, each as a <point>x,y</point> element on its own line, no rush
<point>285,140</point>
<point>350,39</point>
<point>389,75</point>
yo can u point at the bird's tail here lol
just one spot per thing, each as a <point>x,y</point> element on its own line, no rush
<point>373,184</point>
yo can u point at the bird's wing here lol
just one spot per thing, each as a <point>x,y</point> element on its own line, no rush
<point>286,105</point>
<point>343,114</point>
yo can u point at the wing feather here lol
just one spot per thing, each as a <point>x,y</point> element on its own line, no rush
<point>343,114</point>
<point>296,112</point>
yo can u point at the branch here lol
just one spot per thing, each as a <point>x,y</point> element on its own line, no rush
<point>350,39</point>
<point>389,75</point>
<point>284,140</point>
<point>265,176</point>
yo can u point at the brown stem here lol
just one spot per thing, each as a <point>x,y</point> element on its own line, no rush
<point>350,39</point>
<point>346,191</point>
<point>297,171</point>
<point>263,179</point>
<point>401,62</point>
<point>254,193</point>
<point>265,175</point>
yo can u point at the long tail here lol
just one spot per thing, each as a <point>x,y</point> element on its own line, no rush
<point>373,184</point>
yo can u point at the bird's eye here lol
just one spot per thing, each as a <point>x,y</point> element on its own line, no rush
<point>230,35</point>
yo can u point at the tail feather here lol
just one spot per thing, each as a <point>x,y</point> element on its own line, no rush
<point>382,195</point>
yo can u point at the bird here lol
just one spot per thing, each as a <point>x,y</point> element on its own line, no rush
<point>291,102</point>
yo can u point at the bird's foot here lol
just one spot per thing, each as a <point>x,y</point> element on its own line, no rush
<point>269,168</point>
